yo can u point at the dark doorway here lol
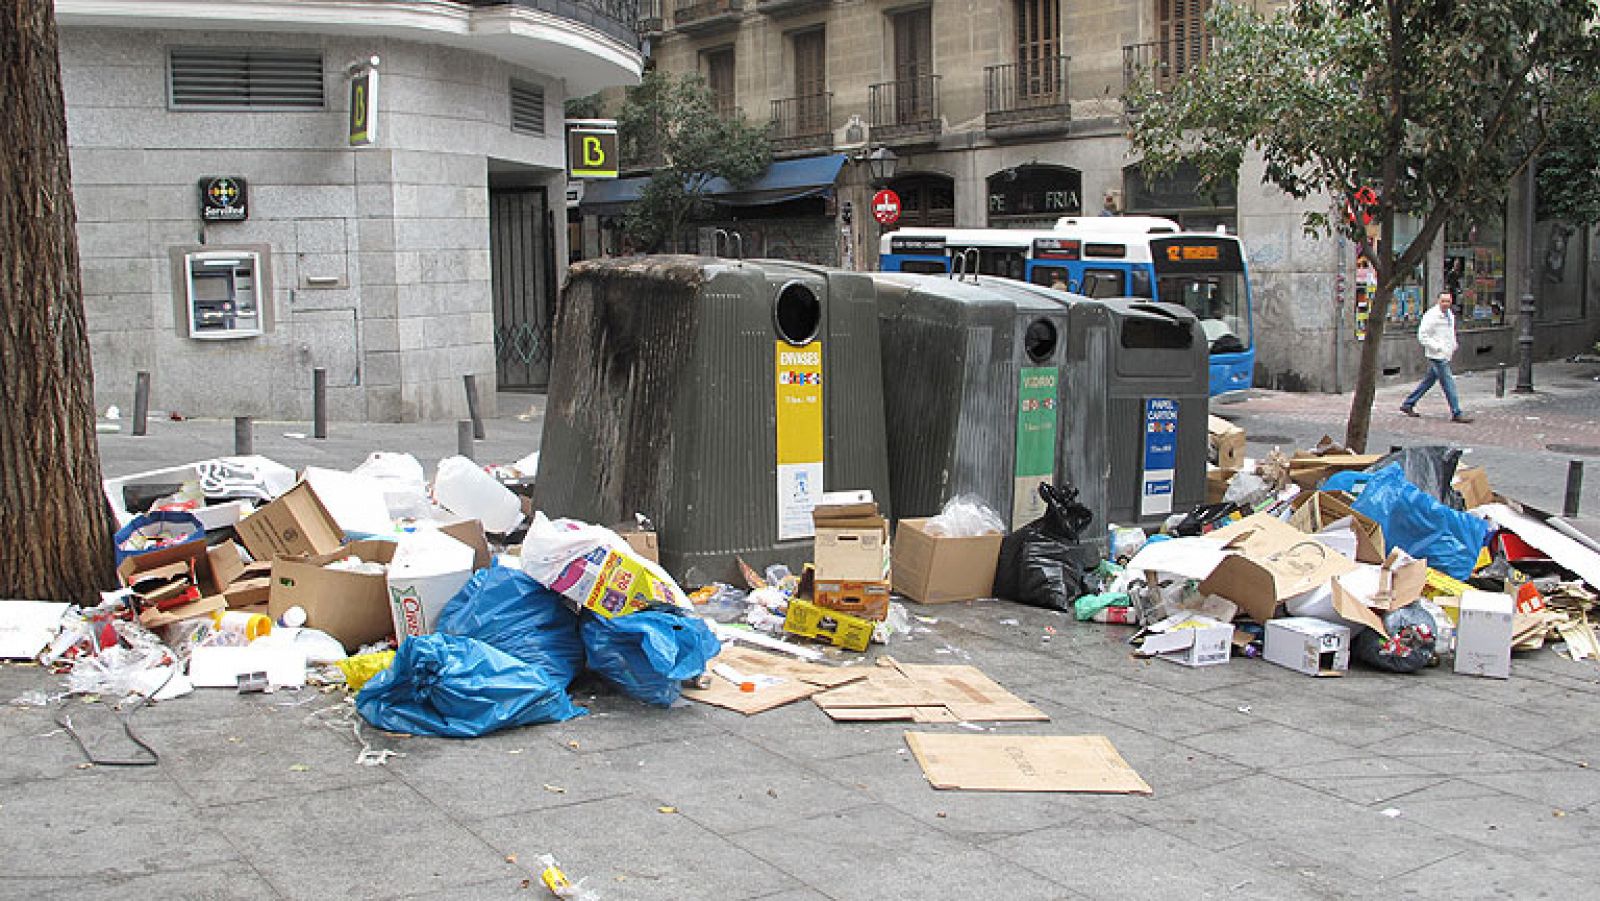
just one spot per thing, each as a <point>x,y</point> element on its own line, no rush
<point>521,267</point>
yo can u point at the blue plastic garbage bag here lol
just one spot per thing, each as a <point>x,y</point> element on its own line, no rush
<point>508,609</point>
<point>1420,525</point>
<point>457,687</point>
<point>647,654</point>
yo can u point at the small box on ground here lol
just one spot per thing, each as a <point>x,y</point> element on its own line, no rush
<point>295,523</point>
<point>1483,635</point>
<point>351,606</point>
<point>838,629</point>
<point>868,600</point>
<point>1189,639</point>
<point>1227,440</point>
<point>852,538</point>
<point>1306,645</point>
<point>938,569</point>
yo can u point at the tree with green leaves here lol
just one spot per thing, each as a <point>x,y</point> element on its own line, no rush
<point>1420,108</point>
<point>672,124</point>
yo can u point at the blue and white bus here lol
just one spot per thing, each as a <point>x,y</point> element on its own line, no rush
<point>1109,256</point>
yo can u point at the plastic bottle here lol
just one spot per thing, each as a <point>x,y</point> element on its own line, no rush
<point>250,625</point>
<point>465,490</point>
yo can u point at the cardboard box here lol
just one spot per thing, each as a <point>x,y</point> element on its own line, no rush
<point>1308,470</point>
<point>208,570</point>
<point>1366,594</point>
<point>1189,639</point>
<point>1316,510</point>
<point>937,569</point>
<point>645,544</point>
<point>1307,645</point>
<point>352,607</point>
<point>1228,441</point>
<point>1483,635</point>
<point>852,539</point>
<point>426,571</point>
<point>295,524</point>
<point>1473,485</point>
<point>838,629</point>
<point>1271,561</point>
<point>868,600</point>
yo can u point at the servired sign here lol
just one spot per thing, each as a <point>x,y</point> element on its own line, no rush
<point>886,207</point>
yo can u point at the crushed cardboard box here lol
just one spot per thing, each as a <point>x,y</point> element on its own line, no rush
<point>926,694</point>
<point>296,523</point>
<point>800,680</point>
<point>1024,763</point>
<point>1270,562</point>
<point>1227,442</point>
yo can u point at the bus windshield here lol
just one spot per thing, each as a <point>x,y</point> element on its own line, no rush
<point>1218,299</point>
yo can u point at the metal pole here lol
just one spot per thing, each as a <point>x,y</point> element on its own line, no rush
<point>1574,487</point>
<point>464,438</point>
<point>472,406</point>
<point>1525,316</point>
<point>319,403</point>
<point>141,401</point>
<point>244,442</point>
<point>1500,381</point>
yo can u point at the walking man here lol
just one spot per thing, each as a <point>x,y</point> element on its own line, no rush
<point>1437,335</point>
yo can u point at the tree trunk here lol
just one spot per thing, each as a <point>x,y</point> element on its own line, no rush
<point>1360,420</point>
<point>54,518</point>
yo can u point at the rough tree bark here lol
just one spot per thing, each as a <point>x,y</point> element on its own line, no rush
<point>55,532</point>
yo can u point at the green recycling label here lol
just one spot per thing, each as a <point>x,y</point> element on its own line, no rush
<point>1036,442</point>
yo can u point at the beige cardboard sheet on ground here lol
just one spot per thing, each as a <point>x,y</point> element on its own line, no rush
<point>801,680</point>
<point>1024,763</point>
<point>926,694</point>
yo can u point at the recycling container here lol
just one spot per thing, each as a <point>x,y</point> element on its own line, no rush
<point>718,397</point>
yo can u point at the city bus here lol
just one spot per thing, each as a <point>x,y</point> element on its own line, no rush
<point>1108,256</point>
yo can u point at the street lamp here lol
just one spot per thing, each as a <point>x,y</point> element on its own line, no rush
<point>881,164</point>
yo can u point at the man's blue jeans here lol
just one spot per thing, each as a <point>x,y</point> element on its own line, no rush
<point>1438,371</point>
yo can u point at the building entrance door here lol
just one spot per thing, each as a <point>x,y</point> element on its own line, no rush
<point>522,281</point>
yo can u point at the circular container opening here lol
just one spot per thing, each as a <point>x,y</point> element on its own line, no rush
<point>797,314</point>
<point>1039,341</point>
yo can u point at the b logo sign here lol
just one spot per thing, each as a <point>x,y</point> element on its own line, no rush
<point>592,152</point>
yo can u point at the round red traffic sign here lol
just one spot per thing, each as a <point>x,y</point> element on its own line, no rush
<point>886,207</point>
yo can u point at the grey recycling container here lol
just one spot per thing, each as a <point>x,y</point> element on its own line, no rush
<point>1136,386</point>
<point>971,379</point>
<point>719,398</point>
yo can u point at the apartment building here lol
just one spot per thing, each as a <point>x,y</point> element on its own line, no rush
<point>1010,113</point>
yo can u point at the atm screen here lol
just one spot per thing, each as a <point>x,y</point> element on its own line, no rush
<point>211,288</point>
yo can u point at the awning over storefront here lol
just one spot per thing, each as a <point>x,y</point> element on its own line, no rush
<point>784,180</point>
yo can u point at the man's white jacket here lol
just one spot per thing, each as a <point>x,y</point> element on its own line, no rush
<point>1437,334</point>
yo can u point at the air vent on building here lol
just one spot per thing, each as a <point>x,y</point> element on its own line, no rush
<point>527,108</point>
<point>246,79</point>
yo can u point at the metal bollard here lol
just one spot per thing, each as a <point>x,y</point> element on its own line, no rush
<point>141,401</point>
<point>319,403</point>
<point>1394,448</point>
<point>472,406</point>
<point>464,438</point>
<point>244,436</point>
<point>1574,488</point>
<point>1500,381</point>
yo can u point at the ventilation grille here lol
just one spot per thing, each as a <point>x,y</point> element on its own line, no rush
<point>246,79</point>
<point>527,108</point>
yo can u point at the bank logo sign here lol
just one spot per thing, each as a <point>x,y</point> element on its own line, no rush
<point>592,151</point>
<point>224,198</point>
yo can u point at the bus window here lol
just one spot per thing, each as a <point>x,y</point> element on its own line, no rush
<point>1103,283</point>
<point>1218,299</point>
<point>1056,277</point>
<point>999,261</point>
<point>926,267</point>
<point>1140,284</point>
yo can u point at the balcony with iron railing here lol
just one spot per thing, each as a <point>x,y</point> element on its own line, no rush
<point>789,7</point>
<point>1166,62</point>
<point>618,19</point>
<point>1027,97</point>
<point>652,19</point>
<point>904,111</point>
<point>802,124</point>
<point>706,16</point>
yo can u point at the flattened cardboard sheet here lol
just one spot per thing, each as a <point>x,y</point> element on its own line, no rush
<point>802,680</point>
<point>1024,763</point>
<point>918,692</point>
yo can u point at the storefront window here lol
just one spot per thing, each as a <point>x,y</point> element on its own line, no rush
<point>1475,271</point>
<point>1411,288</point>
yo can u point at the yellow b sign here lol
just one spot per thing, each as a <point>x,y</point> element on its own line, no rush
<point>592,153</point>
<point>364,108</point>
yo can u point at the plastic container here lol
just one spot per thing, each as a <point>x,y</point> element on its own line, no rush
<point>250,625</point>
<point>468,491</point>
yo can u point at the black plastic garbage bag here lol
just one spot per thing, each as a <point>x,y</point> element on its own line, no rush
<point>1409,647</point>
<point>1204,518</point>
<point>1042,564</point>
<point>1431,469</point>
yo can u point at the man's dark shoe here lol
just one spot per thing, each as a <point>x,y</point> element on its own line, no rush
<point>1409,412</point>
<point>1461,417</point>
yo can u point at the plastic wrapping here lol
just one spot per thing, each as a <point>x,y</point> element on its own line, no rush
<point>1424,528</point>
<point>594,567</point>
<point>509,610</point>
<point>1432,469</point>
<point>965,516</point>
<point>1125,541</point>
<point>457,687</point>
<point>1246,490</point>
<point>359,669</point>
<point>404,483</point>
<point>1409,647</point>
<point>1042,564</point>
<point>647,654</point>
